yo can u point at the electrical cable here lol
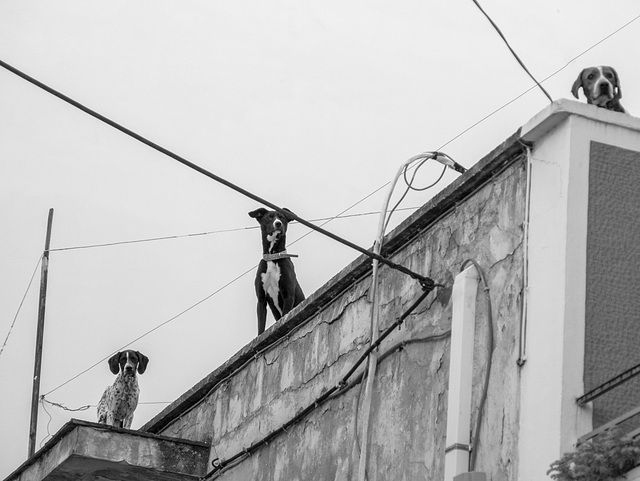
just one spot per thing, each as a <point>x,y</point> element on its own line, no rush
<point>512,51</point>
<point>410,187</point>
<point>88,406</point>
<point>553,74</point>
<point>475,442</point>
<point>151,330</point>
<point>329,219</point>
<point>425,282</point>
<point>21,303</point>
<point>48,422</point>
<point>11,69</point>
<point>438,156</point>
<point>355,380</point>
<point>323,397</point>
<point>524,314</point>
<point>62,406</point>
<point>220,231</point>
<point>374,292</point>
<point>358,379</point>
<point>472,126</point>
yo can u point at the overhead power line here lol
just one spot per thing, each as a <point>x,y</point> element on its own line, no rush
<point>357,202</point>
<point>20,306</point>
<point>513,52</point>
<point>199,234</point>
<point>424,281</point>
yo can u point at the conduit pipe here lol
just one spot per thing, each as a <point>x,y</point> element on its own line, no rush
<point>522,344</point>
<point>375,311</point>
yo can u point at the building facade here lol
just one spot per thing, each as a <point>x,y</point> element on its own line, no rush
<point>535,256</point>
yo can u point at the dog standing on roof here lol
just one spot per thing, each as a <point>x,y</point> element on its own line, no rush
<point>601,86</point>
<point>119,401</point>
<point>276,282</point>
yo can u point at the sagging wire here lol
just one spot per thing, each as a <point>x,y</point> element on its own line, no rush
<point>6,339</point>
<point>88,406</point>
<point>374,293</point>
<point>214,232</point>
<point>44,402</point>
<point>184,311</point>
<point>44,439</point>
<point>475,440</point>
<point>511,50</point>
<point>258,353</point>
<point>62,406</point>
<point>342,383</point>
<point>424,281</point>
<point>436,155</point>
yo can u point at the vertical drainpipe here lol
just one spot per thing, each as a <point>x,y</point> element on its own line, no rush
<point>463,320</point>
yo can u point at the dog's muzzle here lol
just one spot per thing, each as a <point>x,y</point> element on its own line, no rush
<point>604,88</point>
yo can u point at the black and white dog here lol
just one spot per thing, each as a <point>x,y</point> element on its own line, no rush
<point>276,282</point>
<point>601,86</point>
<point>120,400</point>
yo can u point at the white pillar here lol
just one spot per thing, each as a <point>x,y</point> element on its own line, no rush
<point>463,322</point>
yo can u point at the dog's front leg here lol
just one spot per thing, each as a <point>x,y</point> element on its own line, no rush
<point>262,316</point>
<point>287,303</point>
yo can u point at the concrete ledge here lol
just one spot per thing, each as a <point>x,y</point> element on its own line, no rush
<point>552,115</point>
<point>92,452</point>
<point>440,205</point>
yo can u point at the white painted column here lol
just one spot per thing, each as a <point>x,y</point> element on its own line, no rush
<point>465,288</point>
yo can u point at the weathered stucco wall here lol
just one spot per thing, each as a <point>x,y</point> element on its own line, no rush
<point>408,420</point>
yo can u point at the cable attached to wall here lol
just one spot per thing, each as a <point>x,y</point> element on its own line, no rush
<point>522,340</point>
<point>383,222</point>
<point>342,383</point>
<point>475,440</point>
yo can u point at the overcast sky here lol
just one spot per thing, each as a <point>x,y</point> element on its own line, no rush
<point>312,105</point>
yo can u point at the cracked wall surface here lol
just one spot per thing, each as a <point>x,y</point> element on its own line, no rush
<point>408,417</point>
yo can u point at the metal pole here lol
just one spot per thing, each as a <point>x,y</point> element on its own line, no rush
<point>35,396</point>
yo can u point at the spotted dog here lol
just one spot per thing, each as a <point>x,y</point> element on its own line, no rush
<point>601,86</point>
<point>120,400</point>
<point>276,283</point>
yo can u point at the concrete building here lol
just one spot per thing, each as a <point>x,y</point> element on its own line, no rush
<point>535,248</point>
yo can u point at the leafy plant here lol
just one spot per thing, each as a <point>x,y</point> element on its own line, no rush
<point>606,457</point>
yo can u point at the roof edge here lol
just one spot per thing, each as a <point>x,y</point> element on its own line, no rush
<point>491,164</point>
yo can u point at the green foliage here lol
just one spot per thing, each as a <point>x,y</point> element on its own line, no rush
<point>606,457</point>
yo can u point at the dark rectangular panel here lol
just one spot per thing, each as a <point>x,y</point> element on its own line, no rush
<point>612,342</point>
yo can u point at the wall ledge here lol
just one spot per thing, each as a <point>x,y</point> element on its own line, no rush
<point>439,206</point>
<point>492,164</point>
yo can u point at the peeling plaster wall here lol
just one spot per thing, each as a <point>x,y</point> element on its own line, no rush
<point>408,418</point>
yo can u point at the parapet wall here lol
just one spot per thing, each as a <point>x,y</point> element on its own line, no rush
<point>266,384</point>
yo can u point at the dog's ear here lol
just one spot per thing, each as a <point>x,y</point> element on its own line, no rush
<point>617,90</point>
<point>114,363</point>
<point>258,213</point>
<point>576,85</point>
<point>286,212</point>
<point>142,363</point>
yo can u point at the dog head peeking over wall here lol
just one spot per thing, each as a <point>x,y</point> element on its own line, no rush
<point>601,86</point>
